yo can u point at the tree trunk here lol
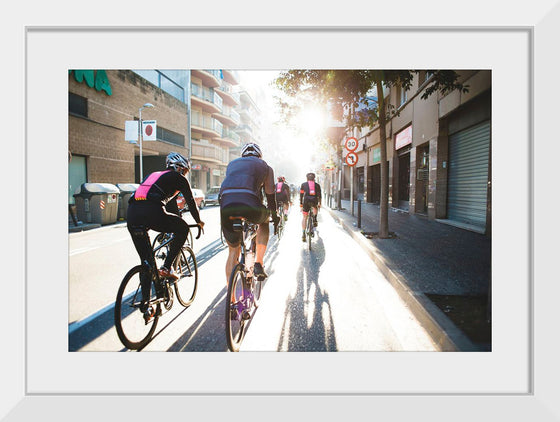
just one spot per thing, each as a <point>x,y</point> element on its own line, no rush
<point>384,198</point>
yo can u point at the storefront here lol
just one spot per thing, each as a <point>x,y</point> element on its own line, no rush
<point>422,178</point>
<point>469,152</point>
<point>374,177</point>
<point>403,141</point>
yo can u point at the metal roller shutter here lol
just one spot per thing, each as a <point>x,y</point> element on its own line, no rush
<point>468,175</point>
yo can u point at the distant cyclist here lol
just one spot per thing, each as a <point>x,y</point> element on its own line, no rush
<point>283,195</point>
<point>309,199</point>
<point>241,196</point>
<point>147,207</point>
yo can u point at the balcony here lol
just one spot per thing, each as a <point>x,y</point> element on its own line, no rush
<point>228,117</point>
<point>229,138</point>
<point>206,98</point>
<point>210,153</point>
<point>231,76</point>
<point>210,78</point>
<point>226,92</point>
<point>207,126</point>
<point>245,132</point>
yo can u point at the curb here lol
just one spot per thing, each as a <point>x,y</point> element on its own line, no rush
<point>444,333</point>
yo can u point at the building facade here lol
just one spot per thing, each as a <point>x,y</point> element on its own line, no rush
<point>195,113</point>
<point>438,152</point>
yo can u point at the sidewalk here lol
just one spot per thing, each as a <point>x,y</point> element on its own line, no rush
<point>443,272</point>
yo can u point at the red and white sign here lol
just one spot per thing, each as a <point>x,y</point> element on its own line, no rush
<point>351,144</point>
<point>351,159</point>
<point>102,205</point>
<point>149,130</point>
<point>403,138</point>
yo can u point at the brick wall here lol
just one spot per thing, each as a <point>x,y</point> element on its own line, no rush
<point>100,136</point>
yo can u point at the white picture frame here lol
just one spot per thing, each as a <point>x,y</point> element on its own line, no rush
<point>35,387</point>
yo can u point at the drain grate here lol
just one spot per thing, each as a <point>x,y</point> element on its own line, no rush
<point>375,235</point>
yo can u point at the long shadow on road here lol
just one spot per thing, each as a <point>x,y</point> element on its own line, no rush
<point>308,324</point>
<point>208,332</point>
<point>82,333</point>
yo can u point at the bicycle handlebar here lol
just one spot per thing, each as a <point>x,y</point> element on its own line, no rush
<point>199,229</point>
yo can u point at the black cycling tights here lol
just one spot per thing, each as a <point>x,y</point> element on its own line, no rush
<point>153,216</point>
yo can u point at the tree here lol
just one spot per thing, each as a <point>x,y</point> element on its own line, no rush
<point>362,90</point>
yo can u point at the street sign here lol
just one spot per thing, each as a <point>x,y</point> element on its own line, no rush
<point>131,130</point>
<point>351,159</point>
<point>149,130</point>
<point>351,144</point>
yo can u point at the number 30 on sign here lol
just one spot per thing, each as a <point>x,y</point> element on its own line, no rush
<point>351,144</point>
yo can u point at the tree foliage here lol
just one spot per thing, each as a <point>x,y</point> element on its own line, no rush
<point>347,90</point>
<point>358,97</point>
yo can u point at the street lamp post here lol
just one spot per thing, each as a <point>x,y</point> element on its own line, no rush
<point>147,105</point>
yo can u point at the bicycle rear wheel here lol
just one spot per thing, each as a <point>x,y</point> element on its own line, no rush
<point>132,330</point>
<point>186,268</point>
<point>309,231</point>
<point>281,223</point>
<point>235,324</point>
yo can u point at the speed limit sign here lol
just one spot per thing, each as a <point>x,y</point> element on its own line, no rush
<point>351,144</point>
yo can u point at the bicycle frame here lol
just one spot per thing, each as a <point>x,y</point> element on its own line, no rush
<point>249,234</point>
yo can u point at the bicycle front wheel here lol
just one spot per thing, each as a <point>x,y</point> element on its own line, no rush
<point>186,269</point>
<point>131,327</point>
<point>235,324</point>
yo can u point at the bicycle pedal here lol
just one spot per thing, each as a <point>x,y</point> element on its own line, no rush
<point>149,314</point>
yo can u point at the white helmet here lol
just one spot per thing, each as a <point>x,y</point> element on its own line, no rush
<point>251,149</point>
<point>174,160</point>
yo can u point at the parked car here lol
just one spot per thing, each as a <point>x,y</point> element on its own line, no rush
<point>199,198</point>
<point>212,195</point>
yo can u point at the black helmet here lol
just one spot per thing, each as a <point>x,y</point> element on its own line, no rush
<point>310,176</point>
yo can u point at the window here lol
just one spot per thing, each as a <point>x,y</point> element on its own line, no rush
<point>423,76</point>
<point>169,136</point>
<point>401,96</point>
<point>165,81</point>
<point>77,174</point>
<point>77,105</point>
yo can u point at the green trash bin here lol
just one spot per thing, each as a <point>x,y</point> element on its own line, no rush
<point>97,203</point>
<point>125,192</point>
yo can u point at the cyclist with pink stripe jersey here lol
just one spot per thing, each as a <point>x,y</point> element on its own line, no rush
<point>309,198</point>
<point>147,208</point>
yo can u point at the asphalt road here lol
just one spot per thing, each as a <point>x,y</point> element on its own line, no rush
<point>332,298</point>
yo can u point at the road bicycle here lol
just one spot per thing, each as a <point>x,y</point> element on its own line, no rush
<point>244,290</point>
<point>136,319</point>
<point>162,238</point>
<point>281,223</point>
<point>309,228</point>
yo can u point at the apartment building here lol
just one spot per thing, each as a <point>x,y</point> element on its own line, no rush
<point>195,114</point>
<point>213,123</point>
<point>438,152</point>
<point>249,126</point>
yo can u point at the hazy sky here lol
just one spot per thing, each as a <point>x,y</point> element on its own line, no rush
<point>291,154</point>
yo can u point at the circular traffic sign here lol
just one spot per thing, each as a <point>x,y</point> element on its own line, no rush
<point>351,159</point>
<point>351,144</point>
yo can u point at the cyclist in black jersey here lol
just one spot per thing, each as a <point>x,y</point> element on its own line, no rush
<point>309,198</point>
<point>147,207</point>
<point>241,195</point>
<point>283,195</point>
